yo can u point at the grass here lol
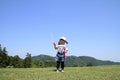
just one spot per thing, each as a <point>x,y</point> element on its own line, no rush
<point>71,73</point>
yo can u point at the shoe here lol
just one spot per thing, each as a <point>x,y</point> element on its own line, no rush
<point>62,70</point>
<point>57,70</point>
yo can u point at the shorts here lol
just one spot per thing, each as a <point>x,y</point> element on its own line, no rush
<point>60,57</point>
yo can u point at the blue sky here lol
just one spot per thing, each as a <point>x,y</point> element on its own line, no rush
<point>92,27</point>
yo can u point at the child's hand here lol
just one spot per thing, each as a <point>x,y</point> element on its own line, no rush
<point>54,45</point>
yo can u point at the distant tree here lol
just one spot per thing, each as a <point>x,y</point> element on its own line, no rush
<point>17,62</point>
<point>75,65</point>
<point>38,64</point>
<point>27,61</point>
<point>0,48</point>
<point>11,61</point>
<point>89,64</point>
<point>3,57</point>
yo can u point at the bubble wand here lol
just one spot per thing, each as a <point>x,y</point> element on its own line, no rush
<point>53,40</point>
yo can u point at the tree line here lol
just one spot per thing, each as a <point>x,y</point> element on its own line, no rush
<point>14,61</point>
<point>7,61</point>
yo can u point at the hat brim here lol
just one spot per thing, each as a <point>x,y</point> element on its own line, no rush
<point>65,41</point>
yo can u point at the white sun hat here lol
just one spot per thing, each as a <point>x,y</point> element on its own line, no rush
<point>63,38</point>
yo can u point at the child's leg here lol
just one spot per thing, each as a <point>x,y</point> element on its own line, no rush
<point>58,64</point>
<point>62,65</point>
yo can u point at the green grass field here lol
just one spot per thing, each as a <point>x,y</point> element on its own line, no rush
<point>71,73</point>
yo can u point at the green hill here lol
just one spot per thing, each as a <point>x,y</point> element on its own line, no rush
<point>75,60</point>
<point>42,58</point>
<point>87,61</point>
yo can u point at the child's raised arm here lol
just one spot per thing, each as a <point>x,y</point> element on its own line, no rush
<point>54,44</point>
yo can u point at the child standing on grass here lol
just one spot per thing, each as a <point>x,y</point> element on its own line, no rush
<point>61,51</point>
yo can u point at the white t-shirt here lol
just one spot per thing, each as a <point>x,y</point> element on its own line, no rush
<point>62,48</point>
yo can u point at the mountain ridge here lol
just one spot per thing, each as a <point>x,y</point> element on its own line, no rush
<point>76,60</point>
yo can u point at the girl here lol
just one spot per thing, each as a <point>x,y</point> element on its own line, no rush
<point>61,51</point>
